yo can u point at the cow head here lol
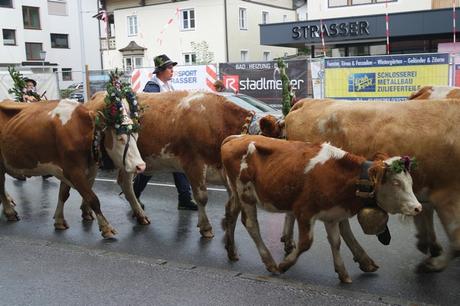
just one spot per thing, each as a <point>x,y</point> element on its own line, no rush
<point>120,141</point>
<point>272,126</point>
<point>393,186</point>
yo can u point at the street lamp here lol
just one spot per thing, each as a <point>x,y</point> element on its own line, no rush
<point>42,57</point>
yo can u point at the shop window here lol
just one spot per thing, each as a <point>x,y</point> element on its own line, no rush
<point>31,16</point>
<point>67,74</point>
<point>9,37</point>
<point>358,50</point>
<point>33,51</point>
<point>59,41</point>
<point>6,3</point>
<point>188,19</point>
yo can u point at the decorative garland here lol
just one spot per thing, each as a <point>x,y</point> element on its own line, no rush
<point>287,90</point>
<point>404,164</point>
<point>19,87</point>
<point>113,112</point>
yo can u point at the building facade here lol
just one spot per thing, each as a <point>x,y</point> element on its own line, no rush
<point>193,31</point>
<point>50,35</point>
<point>358,27</point>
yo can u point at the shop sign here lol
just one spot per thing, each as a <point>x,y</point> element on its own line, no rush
<point>383,77</point>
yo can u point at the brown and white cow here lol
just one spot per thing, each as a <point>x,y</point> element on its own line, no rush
<point>436,92</point>
<point>314,182</point>
<point>426,129</point>
<point>183,131</point>
<point>58,138</point>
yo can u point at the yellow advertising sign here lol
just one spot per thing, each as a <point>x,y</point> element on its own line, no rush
<point>388,78</point>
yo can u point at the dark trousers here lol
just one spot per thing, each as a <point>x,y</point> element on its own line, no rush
<point>182,185</point>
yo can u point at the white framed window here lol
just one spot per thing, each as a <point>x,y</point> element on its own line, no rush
<point>187,19</point>
<point>132,25</point>
<point>132,62</point>
<point>266,56</point>
<point>264,17</point>
<point>189,58</point>
<point>244,55</point>
<point>243,19</point>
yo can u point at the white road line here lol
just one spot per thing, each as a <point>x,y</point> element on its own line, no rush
<point>158,184</point>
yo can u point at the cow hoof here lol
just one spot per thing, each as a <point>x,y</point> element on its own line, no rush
<point>435,250</point>
<point>367,265</point>
<point>232,254</point>
<point>430,265</point>
<point>12,217</point>
<point>208,234</point>
<point>87,216</point>
<point>346,279</point>
<point>109,233</point>
<point>61,225</point>
<point>273,269</point>
<point>143,220</point>
<point>283,267</point>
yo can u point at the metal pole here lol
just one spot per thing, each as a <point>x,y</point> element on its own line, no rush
<point>82,50</point>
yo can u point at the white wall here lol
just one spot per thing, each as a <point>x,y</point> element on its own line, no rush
<point>68,24</point>
<point>250,39</point>
<point>319,8</point>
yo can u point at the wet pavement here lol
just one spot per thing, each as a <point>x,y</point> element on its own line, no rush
<point>173,237</point>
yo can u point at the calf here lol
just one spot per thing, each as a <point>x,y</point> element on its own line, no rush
<point>58,138</point>
<point>314,182</point>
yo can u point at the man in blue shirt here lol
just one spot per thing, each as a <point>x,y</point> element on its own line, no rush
<point>161,82</point>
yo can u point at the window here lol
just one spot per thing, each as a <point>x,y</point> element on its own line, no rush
<point>189,58</point>
<point>67,74</point>
<point>57,7</point>
<point>244,55</point>
<point>264,17</point>
<point>31,16</point>
<point>9,37</point>
<point>187,19</point>
<point>243,19</point>
<point>130,63</point>
<point>132,25</point>
<point>266,56</point>
<point>339,3</point>
<point>59,40</point>
<point>33,51</point>
<point>6,3</point>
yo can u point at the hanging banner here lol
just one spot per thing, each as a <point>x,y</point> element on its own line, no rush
<point>199,77</point>
<point>384,77</point>
<point>262,80</point>
<point>47,84</point>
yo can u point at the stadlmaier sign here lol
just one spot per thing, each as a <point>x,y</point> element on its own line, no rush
<point>262,79</point>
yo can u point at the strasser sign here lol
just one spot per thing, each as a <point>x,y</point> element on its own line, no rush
<point>262,80</point>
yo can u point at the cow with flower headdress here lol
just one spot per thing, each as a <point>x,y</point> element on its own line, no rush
<point>426,129</point>
<point>67,140</point>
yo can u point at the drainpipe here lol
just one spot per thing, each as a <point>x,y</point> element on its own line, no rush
<point>99,34</point>
<point>226,31</point>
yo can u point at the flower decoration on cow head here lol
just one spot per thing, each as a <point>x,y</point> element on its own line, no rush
<point>404,164</point>
<point>115,112</point>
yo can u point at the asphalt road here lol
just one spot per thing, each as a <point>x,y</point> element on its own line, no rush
<point>168,263</point>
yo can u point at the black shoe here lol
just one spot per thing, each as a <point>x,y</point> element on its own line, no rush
<point>189,205</point>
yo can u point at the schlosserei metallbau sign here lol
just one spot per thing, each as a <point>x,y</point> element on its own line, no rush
<point>262,79</point>
<point>392,77</point>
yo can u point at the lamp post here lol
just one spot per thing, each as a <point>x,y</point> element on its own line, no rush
<point>42,58</point>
